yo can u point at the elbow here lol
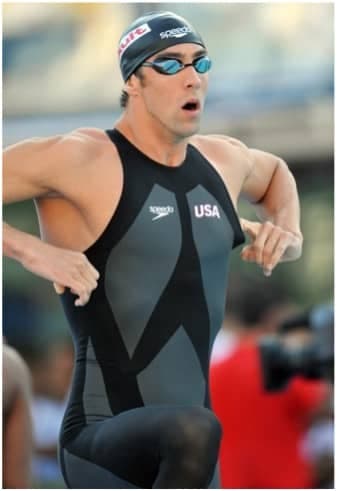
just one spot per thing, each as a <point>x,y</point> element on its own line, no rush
<point>299,251</point>
<point>295,250</point>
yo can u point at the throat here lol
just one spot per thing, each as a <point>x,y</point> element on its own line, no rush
<point>156,148</point>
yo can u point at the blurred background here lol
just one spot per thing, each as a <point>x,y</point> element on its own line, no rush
<point>271,86</point>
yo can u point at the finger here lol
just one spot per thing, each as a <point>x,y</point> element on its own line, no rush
<point>81,290</point>
<point>279,251</point>
<point>248,254</point>
<point>88,279</point>
<point>59,288</point>
<point>82,299</point>
<point>269,248</point>
<point>90,274</point>
<point>260,241</point>
<point>94,273</point>
<point>82,282</point>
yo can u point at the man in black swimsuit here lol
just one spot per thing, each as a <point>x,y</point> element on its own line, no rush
<point>137,224</point>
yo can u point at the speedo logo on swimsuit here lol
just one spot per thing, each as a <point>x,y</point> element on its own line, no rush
<point>160,211</point>
<point>207,210</point>
<point>133,36</point>
<point>177,32</point>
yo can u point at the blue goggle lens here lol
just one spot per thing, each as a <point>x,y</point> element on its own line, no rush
<point>172,66</point>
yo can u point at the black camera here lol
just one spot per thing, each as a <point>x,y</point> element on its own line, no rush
<point>315,360</point>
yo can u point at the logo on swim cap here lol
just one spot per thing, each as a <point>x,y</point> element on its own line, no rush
<point>132,36</point>
<point>177,32</point>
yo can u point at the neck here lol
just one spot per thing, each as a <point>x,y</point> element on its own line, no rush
<point>153,139</point>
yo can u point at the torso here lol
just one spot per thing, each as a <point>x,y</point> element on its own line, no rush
<point>99,179</point>
<point>147,332</point>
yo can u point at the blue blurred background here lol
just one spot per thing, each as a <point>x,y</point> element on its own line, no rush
<point>271,86</point>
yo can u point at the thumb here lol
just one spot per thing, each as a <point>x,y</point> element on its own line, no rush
<point>59,288</point>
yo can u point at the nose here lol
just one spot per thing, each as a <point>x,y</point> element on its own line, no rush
<point>192,77</point>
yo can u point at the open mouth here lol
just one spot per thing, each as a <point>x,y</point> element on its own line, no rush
<point>191,106</point>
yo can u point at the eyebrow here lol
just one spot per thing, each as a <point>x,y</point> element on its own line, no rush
<point>177,54</point>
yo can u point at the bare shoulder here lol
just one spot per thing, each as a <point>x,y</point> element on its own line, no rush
<point>80,145</point>
<point>223,149</point>
<point>87,157</point>
<point>84,145</point>
<point>230,157</point>
<point>220,144</point>
<point>89,135</point>
<point>38,167</point>
<point>80,150</point>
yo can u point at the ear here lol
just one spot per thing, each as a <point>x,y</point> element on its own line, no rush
<point>132,86</point>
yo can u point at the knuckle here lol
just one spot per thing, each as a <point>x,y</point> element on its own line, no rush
<point>287,237</point>
<point>74,273</point>
<point>83,291</point>
<point>283,233</point>
<point>280,249</point>
<point>269,227</point>
<point>81,259</point>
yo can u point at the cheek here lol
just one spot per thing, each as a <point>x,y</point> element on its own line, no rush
<point>204,84</point>
<point>160,99</point>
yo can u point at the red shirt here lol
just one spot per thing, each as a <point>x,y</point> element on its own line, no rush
<point>262,430</point>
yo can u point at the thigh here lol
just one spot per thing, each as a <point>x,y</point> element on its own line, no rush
<point>121,452</point>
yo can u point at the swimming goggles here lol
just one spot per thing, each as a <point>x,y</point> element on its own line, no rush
<point>171,66</point>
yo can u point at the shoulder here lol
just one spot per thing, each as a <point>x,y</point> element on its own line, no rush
<point>83,143</point>
<point>230,157</point>
<point>78,148</point>
<point>219,142</point>
<point>80,142</point>
<point>224,150</point>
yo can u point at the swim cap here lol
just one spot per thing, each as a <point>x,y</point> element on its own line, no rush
<point>151,33</point>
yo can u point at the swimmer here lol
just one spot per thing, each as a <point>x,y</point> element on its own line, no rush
<point>137,226</point>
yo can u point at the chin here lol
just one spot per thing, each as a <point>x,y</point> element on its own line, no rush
<point>189,130</point>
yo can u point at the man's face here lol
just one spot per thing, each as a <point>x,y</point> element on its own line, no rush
<point>175,101</point>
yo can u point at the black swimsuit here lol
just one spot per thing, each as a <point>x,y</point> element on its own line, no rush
<point>143,341</point>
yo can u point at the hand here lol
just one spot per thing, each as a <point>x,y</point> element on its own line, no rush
<point>270,244</point>
<point>65,268</point>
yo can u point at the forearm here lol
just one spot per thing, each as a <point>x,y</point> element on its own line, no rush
<point>64,267</point>
<point>16,244</point>
<point>280,204</point>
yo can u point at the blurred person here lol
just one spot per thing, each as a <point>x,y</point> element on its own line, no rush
<point>17,445</point>
<point>51,365</point>
<point>137,226</point>
<point>263,430</point>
